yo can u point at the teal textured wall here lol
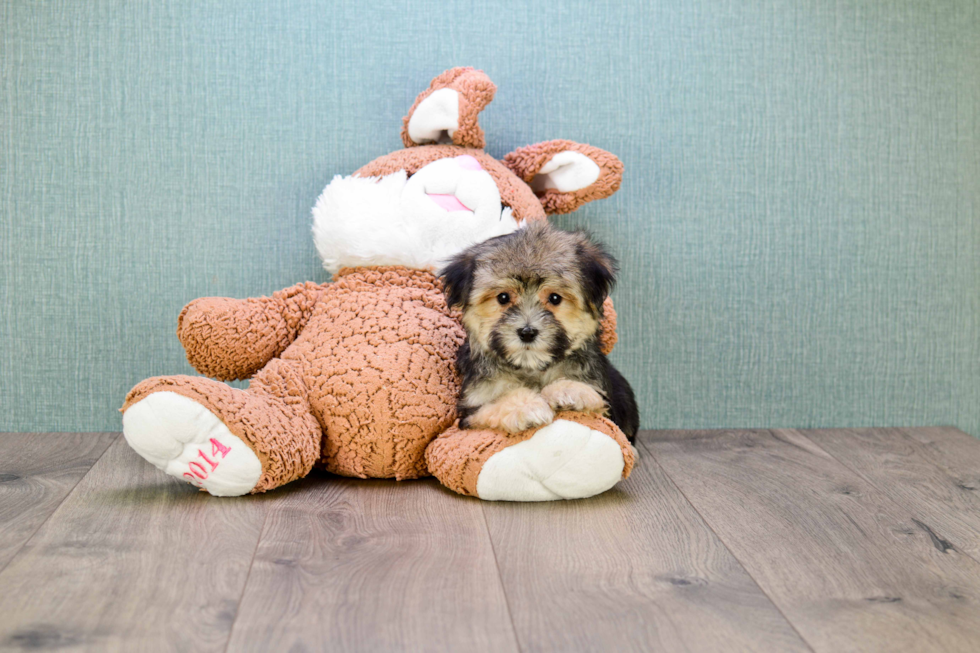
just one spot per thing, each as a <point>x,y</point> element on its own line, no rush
<point>799,225</point>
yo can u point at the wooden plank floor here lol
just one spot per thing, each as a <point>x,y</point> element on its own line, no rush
<point>831,540</point>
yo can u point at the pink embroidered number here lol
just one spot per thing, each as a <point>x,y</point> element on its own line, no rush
<point>198,471</point>
<point>213,464</point>
<point>201,473</point>
<point>217,447</point>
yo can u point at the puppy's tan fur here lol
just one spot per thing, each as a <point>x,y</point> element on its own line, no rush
<point>517,410</point>
<point>480,318</point>
<point>565,394</point>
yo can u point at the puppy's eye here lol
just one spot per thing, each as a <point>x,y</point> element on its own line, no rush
<point>554,298</point>
<point>503,298</point>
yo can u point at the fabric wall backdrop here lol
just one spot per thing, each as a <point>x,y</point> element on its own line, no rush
<point>799,225</point>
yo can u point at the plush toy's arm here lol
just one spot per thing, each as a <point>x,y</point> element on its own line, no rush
<point>609,337</point>
<point>230,339</point>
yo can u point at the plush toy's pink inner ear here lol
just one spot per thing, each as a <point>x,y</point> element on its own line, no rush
<point>566,172</point>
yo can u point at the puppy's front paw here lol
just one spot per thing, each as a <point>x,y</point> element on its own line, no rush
<point>565,394</point>
<point>517,411</point>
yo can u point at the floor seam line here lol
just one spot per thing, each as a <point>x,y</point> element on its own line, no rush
<point>248,575</point>
<point>500,579</point>
<point>704,519</point>
<point>67,494</point>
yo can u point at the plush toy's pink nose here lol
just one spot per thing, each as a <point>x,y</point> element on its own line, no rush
<point>467,162</point>
<point>448,202</point>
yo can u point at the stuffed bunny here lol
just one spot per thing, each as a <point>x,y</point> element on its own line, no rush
<point>358,376</point>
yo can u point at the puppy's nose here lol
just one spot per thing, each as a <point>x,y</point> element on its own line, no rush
<point>527,334</point>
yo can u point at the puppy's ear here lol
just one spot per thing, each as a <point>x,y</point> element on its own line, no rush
<point>457,279</point>
<point>598,269</point>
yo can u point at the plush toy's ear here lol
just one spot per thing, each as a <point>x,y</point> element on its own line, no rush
<point>565,174</point>
<point>457,279</point>
<point>447,111</point>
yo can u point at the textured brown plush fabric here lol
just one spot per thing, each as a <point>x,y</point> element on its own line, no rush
<point>528,160</point>
<point>475,90</point>
<point>231,339</point>
<point>457,456</point>
<point>365,377</point>
<point>380,365</point>
<point>272,417</point>
<point>608,323</point>
<point>513,192</point>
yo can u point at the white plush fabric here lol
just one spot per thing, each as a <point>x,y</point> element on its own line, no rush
<point>175,435</point>
<point>564,460</point>
<point>436,118</point>
<point>392,220</point>
<point>566,172</point>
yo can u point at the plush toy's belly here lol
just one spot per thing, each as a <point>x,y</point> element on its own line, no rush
<point>379,364</point>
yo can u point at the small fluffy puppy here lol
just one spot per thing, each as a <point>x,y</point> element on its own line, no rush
<point>532,302</point>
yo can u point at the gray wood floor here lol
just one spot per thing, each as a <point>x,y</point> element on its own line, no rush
<point>831,540</point>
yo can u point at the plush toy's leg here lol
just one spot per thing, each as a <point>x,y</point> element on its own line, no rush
<point>574,457</point>
<point>228,441</point>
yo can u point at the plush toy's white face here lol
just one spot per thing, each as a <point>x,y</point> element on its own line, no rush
<point>441,200</point>
<point>419,221</point>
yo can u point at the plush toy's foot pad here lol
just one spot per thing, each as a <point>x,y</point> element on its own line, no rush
<point>564,460</point>
<point>187,441</point>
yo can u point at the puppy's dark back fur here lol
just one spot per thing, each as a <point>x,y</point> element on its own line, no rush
<point>623,410</point>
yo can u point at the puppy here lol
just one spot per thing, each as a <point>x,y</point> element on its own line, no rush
<point>532,304</point>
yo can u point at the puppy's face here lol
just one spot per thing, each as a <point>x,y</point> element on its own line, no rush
<point>531,297</point>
